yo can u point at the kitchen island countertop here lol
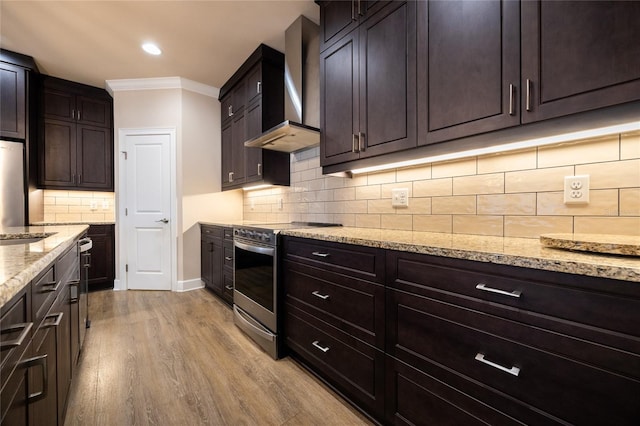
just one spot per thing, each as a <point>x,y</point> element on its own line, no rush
<point>523,252</point>
<point>20,263</point>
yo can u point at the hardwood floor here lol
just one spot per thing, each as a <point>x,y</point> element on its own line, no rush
<point>163,358</point>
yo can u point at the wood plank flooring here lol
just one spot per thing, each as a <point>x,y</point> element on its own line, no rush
<point>164,358</point>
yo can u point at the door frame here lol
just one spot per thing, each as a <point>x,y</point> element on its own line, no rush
<point>122,282</point>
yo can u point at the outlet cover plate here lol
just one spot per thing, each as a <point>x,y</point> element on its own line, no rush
<point>400,197</point>
<point>576,189</point>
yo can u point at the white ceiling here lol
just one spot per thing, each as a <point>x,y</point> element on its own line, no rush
<point>93,41</point>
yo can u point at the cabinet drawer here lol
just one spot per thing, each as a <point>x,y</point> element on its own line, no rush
<point>352,367</point>
<point>228,233</point>
<point>227,285</point>
<point>211,231</point>
<point>43,293</point>
<point>16,330</point>
<point>352,305</point>
<point>578,299</point>
<point>416,398</point>
<point>67,265</point>
<point>356,261</point>
<point>568,378</point>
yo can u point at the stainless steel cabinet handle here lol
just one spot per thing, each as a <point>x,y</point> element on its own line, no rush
<point>163,220</point>
<point>79,178</point>
<point>73,178</point>
<point>230,177</point>
<point>42,362</point>
<point>228,287</point>
<point>26,328</point>
<point>321,296</point>
<point>511,94</point>
<point>258,86</point>
<point>324,349</point>
<point>79,115</point>
<point>353,10</point>
<point>514,293</point>
<point>259,169</point>
<point>54,289</point>
<point>359,8</point>
<point>320,254</point>
<point>528,96</point>
<point>73,114</point>
<point>514,371</point>
<point>354,143</point>
<point>229,258</point>
<point>230,112</point>
<point>361,142</point>
<point>58,319</point>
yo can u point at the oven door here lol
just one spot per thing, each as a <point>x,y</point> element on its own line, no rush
<point>254,277</point>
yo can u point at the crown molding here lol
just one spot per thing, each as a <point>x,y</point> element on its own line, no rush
<point>161,83</point>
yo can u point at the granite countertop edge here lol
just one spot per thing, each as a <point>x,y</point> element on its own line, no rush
<point>511,251</point>
<point>22,271</point>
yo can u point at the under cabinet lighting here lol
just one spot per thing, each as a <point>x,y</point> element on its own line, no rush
<point>530,143</point>
<point>151,49</point>
<point>251,188</point>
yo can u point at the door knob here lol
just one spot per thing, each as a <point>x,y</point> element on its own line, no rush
<point>163,220</point>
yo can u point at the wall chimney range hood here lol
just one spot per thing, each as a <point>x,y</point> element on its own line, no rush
<point>301,92</point>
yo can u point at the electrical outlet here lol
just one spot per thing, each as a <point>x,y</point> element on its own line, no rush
<point>105,205</point>
<point>400,197</point>
<point>93,205</point>
<point>576,189</point>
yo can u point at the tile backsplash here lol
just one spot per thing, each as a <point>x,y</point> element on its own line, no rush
<point>515,194</point>
<point>78,206</point>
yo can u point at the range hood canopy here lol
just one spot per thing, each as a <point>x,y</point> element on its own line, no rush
<point>301,92</point>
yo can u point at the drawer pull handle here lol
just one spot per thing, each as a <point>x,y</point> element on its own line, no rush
<point>320,254</point>
<point>324,349</point>
<point>26,328</point>
<point>514,293</point>
<point>228,258</point>
<point>321,296</point>
<point>51,290</point>
<point>514,371</point>
<point>228,287</point>
<point>35,362</point>
<point>56,323</point>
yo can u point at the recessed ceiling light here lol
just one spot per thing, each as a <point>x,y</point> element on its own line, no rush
<point>151,49</point>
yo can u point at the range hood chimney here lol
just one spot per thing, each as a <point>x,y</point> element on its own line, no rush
<point>300,130</point>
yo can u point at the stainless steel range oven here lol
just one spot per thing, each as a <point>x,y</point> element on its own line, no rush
<point>255,272</point>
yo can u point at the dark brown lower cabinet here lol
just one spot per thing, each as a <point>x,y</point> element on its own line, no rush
<point>103,270</point>
<point>216,260</point>
<point>44,407</point>
<point>464,342</point>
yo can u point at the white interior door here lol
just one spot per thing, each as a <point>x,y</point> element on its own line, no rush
<point>148,211</point>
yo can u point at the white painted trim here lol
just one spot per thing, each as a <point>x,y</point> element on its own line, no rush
<point>161,83</point>
<point>189,285</point>
<point>117,285</point>
<point>122,196</point>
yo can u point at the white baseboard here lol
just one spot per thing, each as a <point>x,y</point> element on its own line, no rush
<point>189,285</point>
<point>117,285</point>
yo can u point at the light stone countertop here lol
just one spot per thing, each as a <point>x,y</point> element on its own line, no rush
<point>523,252</point>
<point>21,263</point>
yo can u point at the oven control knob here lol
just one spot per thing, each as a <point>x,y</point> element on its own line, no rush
<point>250,234</point>
<point>267,237</point>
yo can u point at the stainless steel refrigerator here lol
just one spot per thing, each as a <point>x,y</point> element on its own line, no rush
<point>12,184</point>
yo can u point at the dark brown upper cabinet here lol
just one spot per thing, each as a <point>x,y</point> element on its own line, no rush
<point>468,67</point>
<point>13,101</point>
<point>368,87</point>
<point>578,56</point>
<point>338,18</point>
<point>76,137</point>
<point>252,101</point>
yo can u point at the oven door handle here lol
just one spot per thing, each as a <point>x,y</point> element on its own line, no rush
<point>256,328</point>
<point>270,251</point>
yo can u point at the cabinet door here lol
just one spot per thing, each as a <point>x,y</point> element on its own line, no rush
<point>388,80</point>
<point>58,154</point>
<point>337,18</point>
<point>469,64</point>
<point>59,105</point>
<point>217,260</point>
<point>254,84</point>
<point>254,155</point>
<point>102,270</point>
<point>227,158</point>
<point>225,108</point>
<point>94,112</point>
<point>238,137</point>
<point>94,165</point>
<point>206,248</point>
<point>14,403</point>
<point>578,56</point>
<point>13,95</point>
<point>45,408</point>
<point>339,101</point>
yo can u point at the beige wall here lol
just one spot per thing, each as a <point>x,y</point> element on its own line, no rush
<point>515,194</point>
<point>196,119</point>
